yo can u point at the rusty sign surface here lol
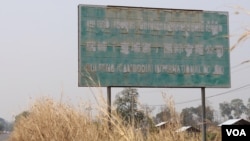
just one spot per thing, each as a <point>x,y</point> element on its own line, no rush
<point>152,47</point>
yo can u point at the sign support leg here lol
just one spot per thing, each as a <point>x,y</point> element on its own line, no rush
<point>109,106</point>
<point>203,114</point>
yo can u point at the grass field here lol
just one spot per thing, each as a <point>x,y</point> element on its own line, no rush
<point>49,120</point>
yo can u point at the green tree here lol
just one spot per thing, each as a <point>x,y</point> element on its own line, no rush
<point>193,115</point>
<point>2,124</point>
<point>225,110</point>
<point>234,109</point>
<point>126,103</point>
<point>247,112</point>
<point>187,116</point>
<point>238,107</point>
<point>209,113</point>
<point>164,115</point>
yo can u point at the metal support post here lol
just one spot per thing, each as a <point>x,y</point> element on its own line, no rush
<point>109,106</point>
<point>132,110</point>
<point>203,114</point>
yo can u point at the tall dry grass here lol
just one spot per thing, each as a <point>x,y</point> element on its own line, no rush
<point>246,33</point>
<point>49,120</point>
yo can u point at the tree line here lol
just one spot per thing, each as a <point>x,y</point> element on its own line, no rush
<point>5,125</point>
<point>126,103</point>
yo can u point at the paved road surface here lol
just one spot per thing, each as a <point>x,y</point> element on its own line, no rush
<point>4,137</point>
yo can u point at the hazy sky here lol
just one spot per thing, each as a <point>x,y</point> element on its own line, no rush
<point>39,50</point>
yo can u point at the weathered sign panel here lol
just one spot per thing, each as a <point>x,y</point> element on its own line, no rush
<point>152,47</point>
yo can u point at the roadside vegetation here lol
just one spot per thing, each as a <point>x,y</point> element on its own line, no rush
<point>49,120</point>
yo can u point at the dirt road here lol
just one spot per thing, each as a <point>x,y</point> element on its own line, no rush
<point>4,137</point>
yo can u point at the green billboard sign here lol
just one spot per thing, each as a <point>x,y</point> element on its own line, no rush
<point>152,47</point>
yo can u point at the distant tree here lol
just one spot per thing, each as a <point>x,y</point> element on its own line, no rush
<point>2,124</point>
<point>193,115</point>
<point>225,110</point>
<point>247,112</point>
<point>164,115</point>
<point>127,106</point>
<point>234,109</point>
<point>209,113</point>
<point>187,117</point>
<point>238,107</point>
<point>9,126</point>
<point>147,109</point>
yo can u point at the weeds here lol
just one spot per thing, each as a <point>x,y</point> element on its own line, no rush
<point>49,120</point>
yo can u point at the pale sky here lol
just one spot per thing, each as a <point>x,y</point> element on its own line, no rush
<point>39,50</point>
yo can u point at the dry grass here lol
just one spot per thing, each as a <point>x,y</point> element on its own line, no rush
<point>243,37</point>
<point>55,121</point>
<point>246,33</point>
<point>52,121</point>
